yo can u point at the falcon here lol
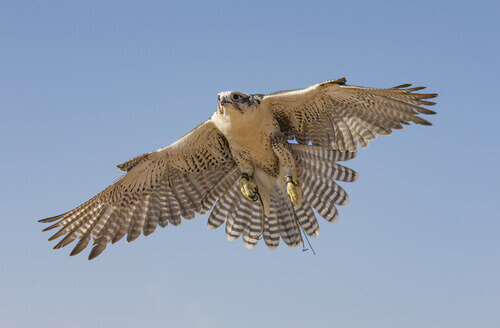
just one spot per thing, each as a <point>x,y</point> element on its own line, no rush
<point>260,164</point>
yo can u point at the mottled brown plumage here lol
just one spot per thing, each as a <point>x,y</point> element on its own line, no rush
<point>243,148</point>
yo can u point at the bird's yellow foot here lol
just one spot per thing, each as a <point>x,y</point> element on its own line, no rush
<point>248,188</point>
<point>292,189</point>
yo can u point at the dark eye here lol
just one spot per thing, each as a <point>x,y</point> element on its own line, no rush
<point>218,98</point>
<point>235,96</point>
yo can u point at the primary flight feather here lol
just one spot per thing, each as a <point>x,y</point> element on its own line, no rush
<point>241,164</point>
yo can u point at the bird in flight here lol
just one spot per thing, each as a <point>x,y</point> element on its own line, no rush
<point>260,163</point>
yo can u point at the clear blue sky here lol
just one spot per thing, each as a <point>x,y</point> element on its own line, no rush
<point>87,85</point>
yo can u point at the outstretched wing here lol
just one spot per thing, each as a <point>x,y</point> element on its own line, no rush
<point>332,114</point>
<point>160,187</point>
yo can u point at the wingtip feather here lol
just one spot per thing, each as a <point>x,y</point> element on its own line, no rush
<point>82,244</point>
<point>57,234</point>
<point>51,227</point>
<point>52,218</point>
<point>96,251</point>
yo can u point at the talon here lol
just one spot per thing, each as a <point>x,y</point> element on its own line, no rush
<point>248,188</point>
<point>292,190</point>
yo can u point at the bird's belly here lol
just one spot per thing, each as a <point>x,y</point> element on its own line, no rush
<point>268,162</point>
<point>262,156</point>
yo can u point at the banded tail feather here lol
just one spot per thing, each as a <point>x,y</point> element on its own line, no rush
<point>319,171</point>
<point>252,232</point>
<point>287,223</point>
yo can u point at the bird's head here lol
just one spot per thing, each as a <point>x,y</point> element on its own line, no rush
<point>237,101</point>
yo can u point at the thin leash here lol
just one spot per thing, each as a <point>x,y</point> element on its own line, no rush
<point>259,198</point>
<point>302,232</point>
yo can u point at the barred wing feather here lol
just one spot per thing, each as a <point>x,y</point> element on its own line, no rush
<point>332,114</point>
<point>159,188</point>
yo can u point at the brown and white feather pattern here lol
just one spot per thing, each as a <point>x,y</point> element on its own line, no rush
<point>198,173</point>
<point>252,232</point>
<point>180,180</point>
<point>332,114</point>
<point>317,172</point>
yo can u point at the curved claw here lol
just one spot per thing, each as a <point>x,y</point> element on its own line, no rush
<point>248,189</point>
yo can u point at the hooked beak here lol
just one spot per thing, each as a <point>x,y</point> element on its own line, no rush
<point>223,100</point>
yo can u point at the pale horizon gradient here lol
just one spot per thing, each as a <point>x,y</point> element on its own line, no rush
<point>88,85</point>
